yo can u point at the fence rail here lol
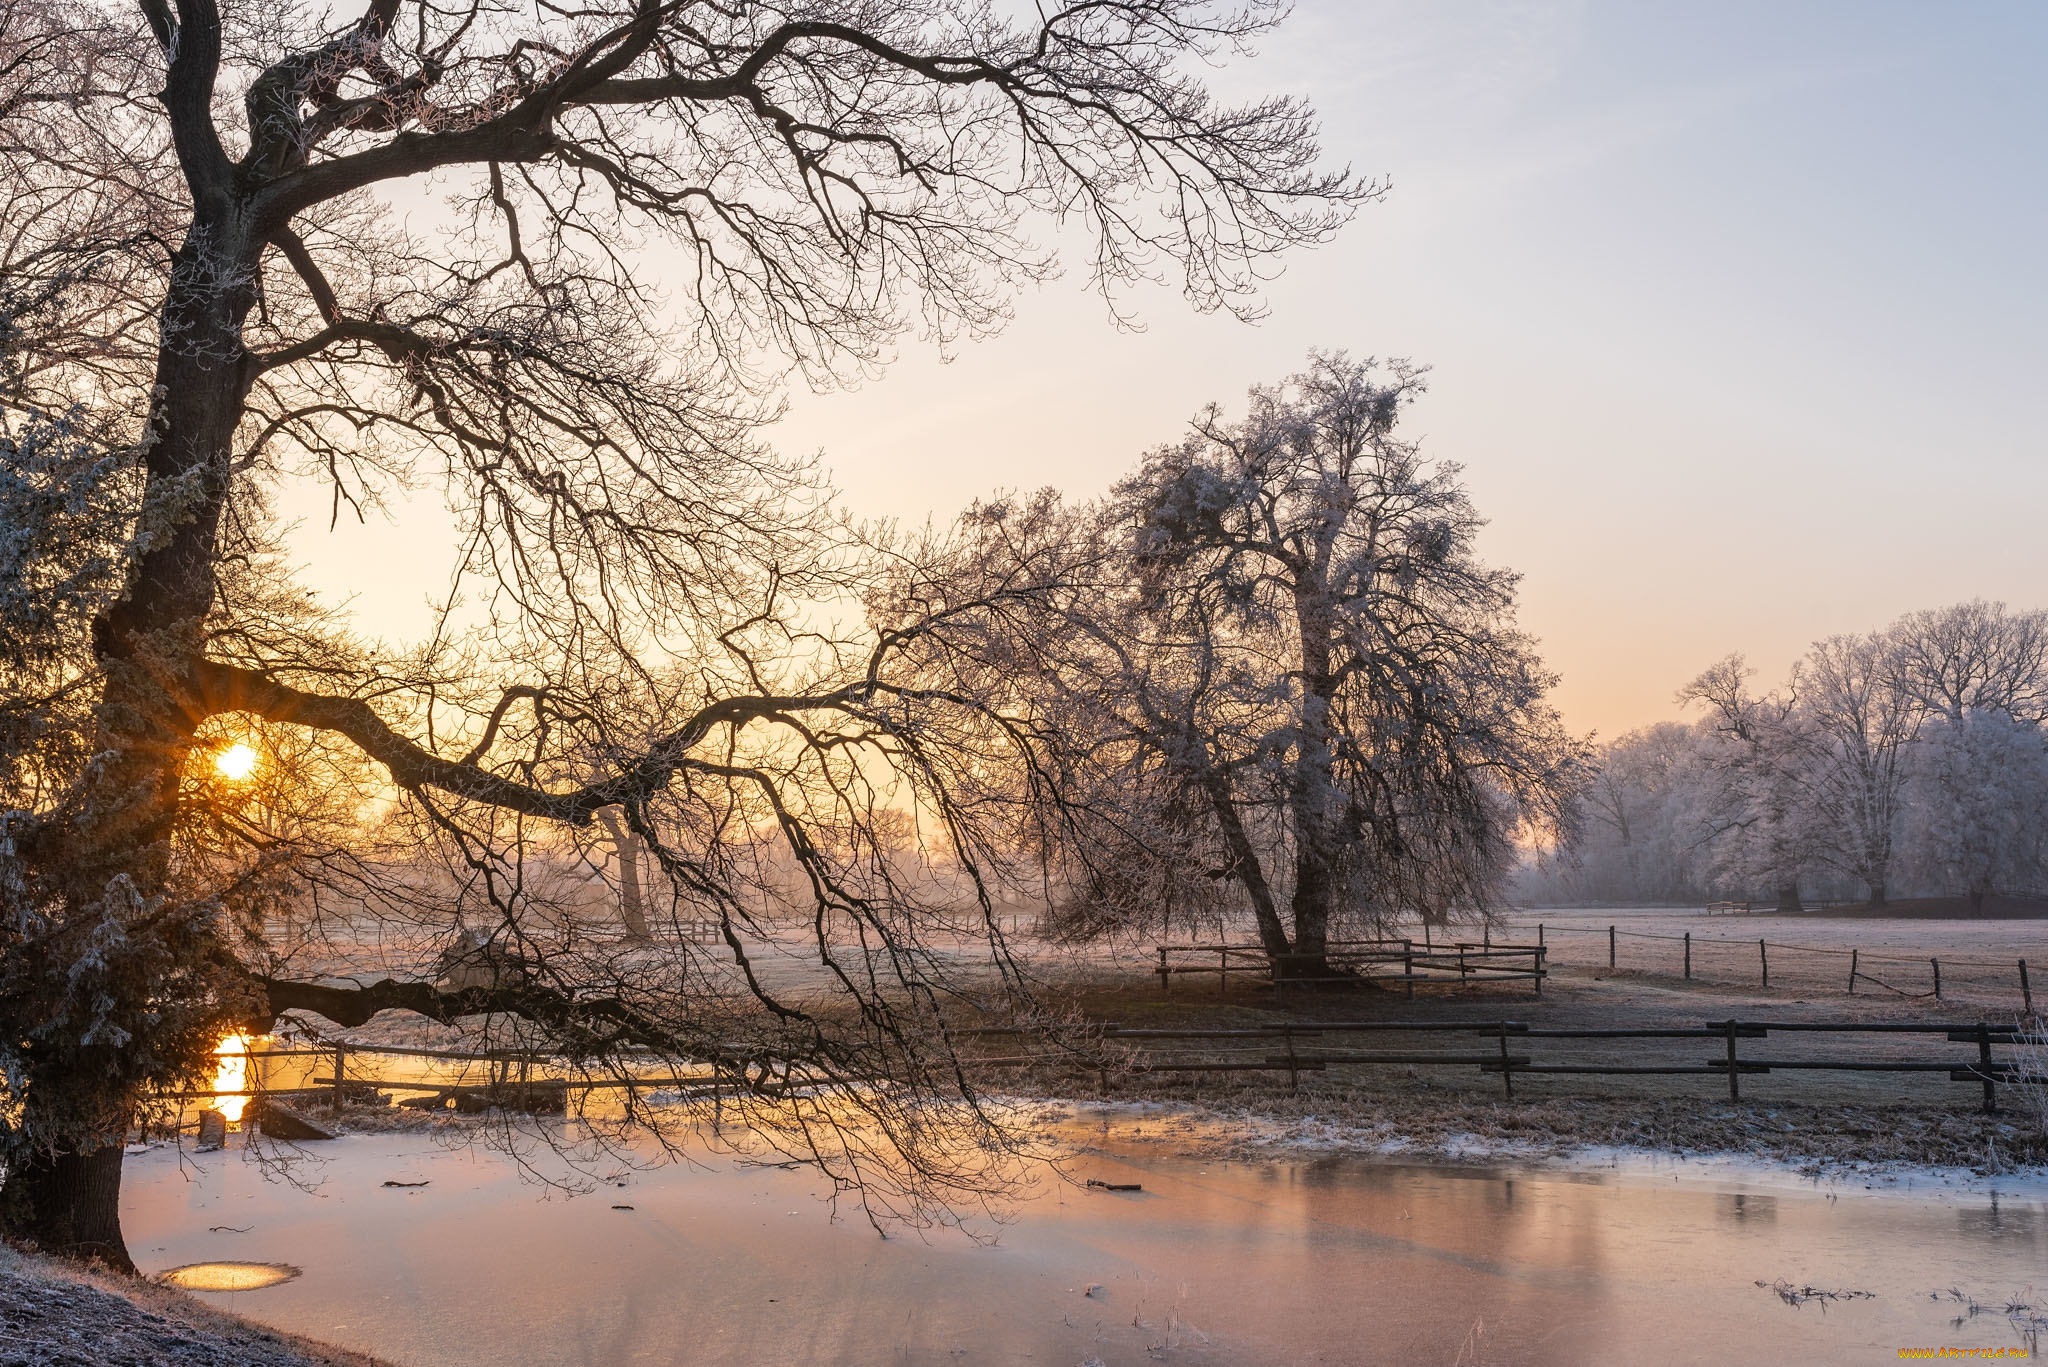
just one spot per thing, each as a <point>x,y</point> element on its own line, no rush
<point>1900,975</point>
<point>1980,1068</point>
<point>1508,1048</point>
<point>1460,963</point>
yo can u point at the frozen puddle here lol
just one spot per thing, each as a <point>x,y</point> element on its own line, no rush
<point>1333,1261</point>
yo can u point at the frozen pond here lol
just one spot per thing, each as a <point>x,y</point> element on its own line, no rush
<point>1338,1261</point>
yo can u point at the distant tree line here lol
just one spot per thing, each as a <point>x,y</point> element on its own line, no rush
<point>1907,762</point>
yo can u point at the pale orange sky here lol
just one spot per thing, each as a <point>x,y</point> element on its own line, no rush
<point>1734,314</point>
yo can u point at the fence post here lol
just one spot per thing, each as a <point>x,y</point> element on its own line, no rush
<point>1507,1075</point>
<point>1539,934</point>
<point>1734,1075</point>
<point>1408,964</point>
<point>1610,948</point>
<point>1464,982</point>
<point>1984,1067</point>
<point>1165,978</point>
<point>1688,955</point>
<point>340,1066</point>
<point>1541,969</point>
<point>1223,971</point>
<point>1852,972</point>
<point>1486,935</point>
<point>1293,1073</point>
<point>1763,957</point>
<point>2026,989</point>
<point>1937,978</point>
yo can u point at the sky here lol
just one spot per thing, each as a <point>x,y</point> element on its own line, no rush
<point>1737,316</point>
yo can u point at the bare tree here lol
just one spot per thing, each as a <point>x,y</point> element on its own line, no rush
<point>1978,673</point>
<point>223,302</point>
<point>1850,737</point>
<point>1302,682</point>
<point>1635,837</point>
<point>1752,815</point>
<point>1980,815</point>
<point>1973,657</point>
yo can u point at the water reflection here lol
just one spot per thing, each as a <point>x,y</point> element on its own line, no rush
<point>2003,1220</point>
<point>1331,1261</point>
<point>1744,1208</point>
<point>231,1074</point>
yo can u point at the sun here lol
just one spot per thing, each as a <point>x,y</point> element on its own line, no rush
<point>236,762</point>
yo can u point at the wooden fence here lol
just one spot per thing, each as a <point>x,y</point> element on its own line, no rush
<point>1724,959</point>
<point>1406,962</point>
<point>1508,1048</point>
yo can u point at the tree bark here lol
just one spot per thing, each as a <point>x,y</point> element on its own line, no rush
<point>67,1200</point>
<point>632,907</point>
<point>1788,898</point>
<point>1314,890</point>
<point>1245,867</point>
<point>1311,786</point>
<point>68,1204</point>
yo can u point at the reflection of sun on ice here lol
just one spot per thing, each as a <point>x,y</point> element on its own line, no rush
<point>231,1075</point>
<point>229,1276</point>
<point>236,762</point>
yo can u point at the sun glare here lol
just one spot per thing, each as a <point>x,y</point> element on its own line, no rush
<point>236,762</point>
<point>231,1075</point>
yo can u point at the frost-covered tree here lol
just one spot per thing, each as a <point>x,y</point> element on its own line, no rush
<point>1980,815</point>
<point>1750,807</point>
<point>1848,737</point>
<point>1973,657</point>
<point>1858,770</point>
<point>1300,670</point>
<point>1979,675</point>
<point>1809,778</point>
<point>199,201</point>
<point>1636,837</point>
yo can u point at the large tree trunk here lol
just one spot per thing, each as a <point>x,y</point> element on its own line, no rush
<point>68,1199</point>
<point>632,907</point>
<point>68,1204</point>
<point>1245,867</point>
<point>1314,890</point>
<point>1788,898</point>
<point>1311,786</point>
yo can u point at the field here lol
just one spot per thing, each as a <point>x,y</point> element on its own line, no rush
<point>1811,953</point>
<point>1436,1108</point>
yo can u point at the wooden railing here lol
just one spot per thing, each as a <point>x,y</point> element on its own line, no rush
<point>1513,1054</point>
<point>1405,962</point>
<point>1508,1048</point>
